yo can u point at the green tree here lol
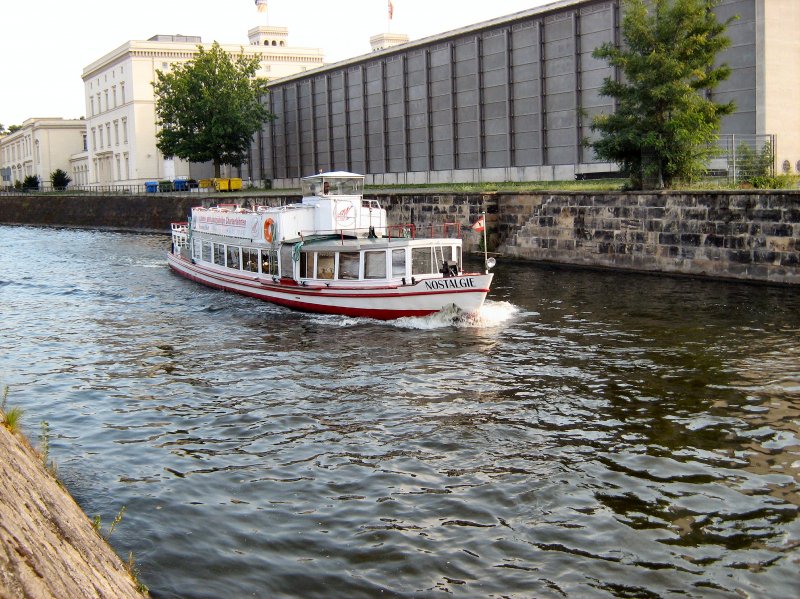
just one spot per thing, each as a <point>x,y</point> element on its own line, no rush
<point>2,128</point>
<point>14,128</point>
<point>664,127</point>
<point>210,107</point>
<point>60,179</point>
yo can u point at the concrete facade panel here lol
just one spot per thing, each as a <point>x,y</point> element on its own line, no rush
<point>516,82</point>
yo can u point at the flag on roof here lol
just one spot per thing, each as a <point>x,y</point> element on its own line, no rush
<point>479,225</point>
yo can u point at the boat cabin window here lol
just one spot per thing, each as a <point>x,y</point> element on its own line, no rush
<point>349,264</point>
<point>398,263</point>
<point>287,265</point>
<point>219,254</point>
<point>233,257</point>
<point>197,249</point>
<point>421,261</point>
<point>250,259</point>
<point>207,251</point>
<point>325,263</point>
<point>340,186</point>
<point>269,262</point>
<point>375,265</point>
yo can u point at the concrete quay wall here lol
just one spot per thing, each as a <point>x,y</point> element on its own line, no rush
<point>751,235</point>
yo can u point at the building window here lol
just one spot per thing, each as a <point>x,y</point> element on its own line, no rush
<point>122,91</point>
<point>124,130</point>
<point>99,106</point>
<point>114,95</point>
<point>91,102</point>
<point>108,134</point>
<point>116,133</point>
<point>127,166</point>
<point>108,106</point>
<point>85,143</point>
<point>119,169</point>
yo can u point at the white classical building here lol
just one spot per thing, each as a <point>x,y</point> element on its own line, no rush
<point>120,103</point>
<point>39,147</point>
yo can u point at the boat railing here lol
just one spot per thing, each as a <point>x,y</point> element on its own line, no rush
<point>404,231</point>
<point>180,235</point>
<point>432,231</point>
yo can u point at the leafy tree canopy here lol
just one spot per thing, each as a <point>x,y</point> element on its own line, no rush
<point>210,107</point>
<point>664,127</point>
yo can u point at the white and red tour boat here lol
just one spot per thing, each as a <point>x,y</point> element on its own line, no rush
<point>331,253</point>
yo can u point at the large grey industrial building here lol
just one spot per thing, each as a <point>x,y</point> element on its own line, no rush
<point>510,99</point>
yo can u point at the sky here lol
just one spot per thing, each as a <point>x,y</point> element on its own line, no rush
<point>46,44</point>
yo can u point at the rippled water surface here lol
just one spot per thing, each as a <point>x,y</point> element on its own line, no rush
<point>589,434</point>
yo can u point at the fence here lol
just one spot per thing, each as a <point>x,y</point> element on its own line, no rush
<point>744,156</point>
<point>171,187</point>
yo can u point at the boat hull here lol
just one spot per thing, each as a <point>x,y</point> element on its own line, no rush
<point>386,302</point>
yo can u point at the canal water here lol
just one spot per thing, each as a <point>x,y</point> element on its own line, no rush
<point>589,434</point>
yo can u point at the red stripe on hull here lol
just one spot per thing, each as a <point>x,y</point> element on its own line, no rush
<point>185,268</point>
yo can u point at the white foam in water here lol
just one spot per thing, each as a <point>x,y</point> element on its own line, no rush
<point>491,314</point>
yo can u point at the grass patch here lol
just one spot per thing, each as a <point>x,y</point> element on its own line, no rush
<point>12,419</point>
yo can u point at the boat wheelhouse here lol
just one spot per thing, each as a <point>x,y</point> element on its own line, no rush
<point>333,252</point>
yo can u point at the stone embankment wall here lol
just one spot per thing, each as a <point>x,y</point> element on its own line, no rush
<point>739,235</point>
<point>48,547</point>
<point>747,235</point>
<point>751,235</point>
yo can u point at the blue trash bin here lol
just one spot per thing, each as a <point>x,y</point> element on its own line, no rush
<point>151,186</point>
<point>180,185</point>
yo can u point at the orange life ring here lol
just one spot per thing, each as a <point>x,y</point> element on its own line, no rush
<point>269,227</point>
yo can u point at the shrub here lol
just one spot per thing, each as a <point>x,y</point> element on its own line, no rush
<point>752,163</point>
<point>777,182</point>
<point>165,186</point>
<point>31,183</point>
<point>60,179</point>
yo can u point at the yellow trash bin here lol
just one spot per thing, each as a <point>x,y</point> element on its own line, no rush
<point>235,184</point>
<point>205,183</point>
<point>222,184</point>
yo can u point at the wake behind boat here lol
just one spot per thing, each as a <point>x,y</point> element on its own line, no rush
<point>332,253</point>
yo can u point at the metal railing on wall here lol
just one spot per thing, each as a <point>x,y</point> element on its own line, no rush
<point>160,187</point>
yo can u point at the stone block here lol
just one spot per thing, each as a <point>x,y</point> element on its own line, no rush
<point>691,239</point>
<point>740,256</point>
<point>778,229</point>
<point>668,239</point>
<point>766,256</point>
<point>767,215</point>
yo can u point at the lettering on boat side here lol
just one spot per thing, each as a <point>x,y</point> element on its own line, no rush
<point>228,221</point>
<point>437,284</point>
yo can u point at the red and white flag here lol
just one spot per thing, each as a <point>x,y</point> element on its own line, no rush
<point>391,9</point>
<point>479,225</point>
